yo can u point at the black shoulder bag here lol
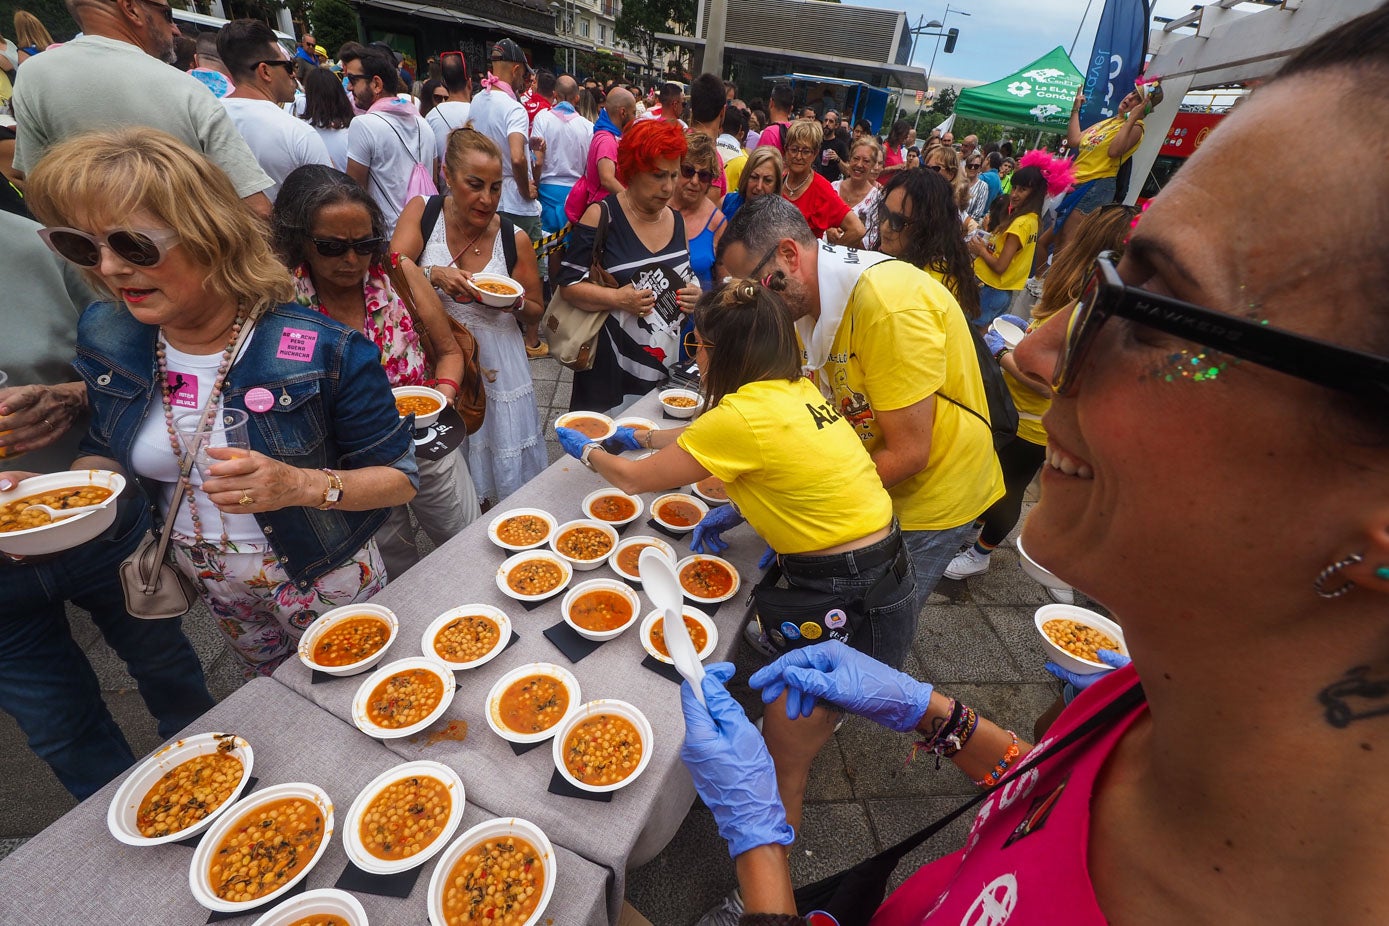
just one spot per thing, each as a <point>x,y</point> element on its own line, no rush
<point>854,895</point>
<point>1003,414</point>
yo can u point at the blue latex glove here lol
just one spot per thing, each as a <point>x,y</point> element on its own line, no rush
<point>708,533</point>
<point>731,767</point>
<point>573,441</point>
<point>835,672</point>
<point>767,559</point>
<point>1081,682</point>
<point>624,439</point>
<point>994,340</point>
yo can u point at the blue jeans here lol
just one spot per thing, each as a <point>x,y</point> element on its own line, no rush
<point>992,304</point>
<point>46,682</point>
<point>931,552</point>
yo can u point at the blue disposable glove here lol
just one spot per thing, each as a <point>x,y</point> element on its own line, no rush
<point>731,767</point>
<point>624,439</point>
<point>767,559</point>
<point>835,672</point>
<point>1081,682</point>
<point>573,441</point>
<point>708,533</point>
<point>995,341</point>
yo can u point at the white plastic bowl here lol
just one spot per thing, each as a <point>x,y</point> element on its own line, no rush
<point>199,876</point>
<point>327,901</point>
<point>125,805</point>
<point>678,528</point>
<point>517,548</point>
<point>596,585</point>
<point>630,421</point>
<point>496,300</point>
<point>66,533</point>
<point>352,826</point>
<point>700,557</point>
<point>584,565</point>
<point>604,706</point>
<point>1051,612</point>
<point>513,561</point>
<point>359,700</point>
<point>592,497</point>
<point>1038,572</point>
<point>711,499</point>
<point>331,619</point>
<point>563,421</point>
<point>1012,335</point>
<point>494,697</point>
<point>493,829</point>
<point>497,615</point>
<point>676,411</point>
<point>694,614</point>
<point>655,542</point>
<point>423,392</point>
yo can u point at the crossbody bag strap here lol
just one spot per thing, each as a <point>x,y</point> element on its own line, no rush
<point>958,404</point>
<point>433,206</point>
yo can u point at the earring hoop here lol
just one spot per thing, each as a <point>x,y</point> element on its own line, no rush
<point>1345,588</point>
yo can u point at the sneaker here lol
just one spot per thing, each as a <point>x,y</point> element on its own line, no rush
<point>1061,595</point>
<point>540,350</point>
<point>727,913</point>
<point>969,563</point>
<point>755,638</point>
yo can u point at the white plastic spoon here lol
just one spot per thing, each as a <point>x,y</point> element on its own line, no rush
<point>62,514</point>
<point>662,586</point>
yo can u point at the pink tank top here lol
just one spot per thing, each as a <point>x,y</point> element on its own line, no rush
<point>1025,862</point>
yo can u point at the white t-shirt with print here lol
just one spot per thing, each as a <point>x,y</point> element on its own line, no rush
<point>498,116</point>
<point>279,141</point>
<point>389,147</point>
<point>443,119</point>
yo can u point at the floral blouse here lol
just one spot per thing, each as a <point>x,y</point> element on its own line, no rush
<point>388,325</point>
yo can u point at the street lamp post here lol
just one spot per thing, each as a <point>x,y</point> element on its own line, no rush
<point>933,24</point>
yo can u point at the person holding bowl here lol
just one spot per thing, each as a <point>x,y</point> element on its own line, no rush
<point>1205,374</point>
<point>272,535</point>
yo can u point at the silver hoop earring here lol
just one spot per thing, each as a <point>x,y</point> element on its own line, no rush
<point>1319,586</point>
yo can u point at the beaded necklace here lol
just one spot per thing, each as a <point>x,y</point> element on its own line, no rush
<point>209,411</point>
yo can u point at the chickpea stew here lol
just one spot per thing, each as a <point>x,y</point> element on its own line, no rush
<point>602,750</point>
<point>613,508</point>
<point>321,919</point>
<point>1079,640</point>
<point>679,513</point>
<point>265,849</point>
<point>418,405</point>
<point>13,517</point>
<point>713,487</point>
<point>535,577</point>
<point>706,579</point>
<point>584,543</point>
<point>533,704</point>
<point>189,792</point>
<point>629,560</point>
<point>498,882</point>
<point>523,530</point>
<point>406,817</point>
<point>698,635</point>
<point>465,639</point>
<point>680,401</point>
<point>405,698</point>
<point>601,610</point>
<point>351,640</point>
<point>588,427</point>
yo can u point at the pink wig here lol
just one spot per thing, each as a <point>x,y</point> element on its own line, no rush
<point>1059,172</point>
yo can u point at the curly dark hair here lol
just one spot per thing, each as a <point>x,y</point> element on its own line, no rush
<point>935,240</point>
<point>307,190</point>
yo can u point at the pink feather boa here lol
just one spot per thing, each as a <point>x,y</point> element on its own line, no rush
<point>1059,172</point>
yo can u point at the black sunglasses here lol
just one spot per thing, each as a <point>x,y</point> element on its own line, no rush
<point>142,247</point>
<point>337,247</point>
<point>278,63</point>
<point>164,9</point>
<point>937,168</point>
<point>894,220</point>
<point>1305,358</point>
<point>705,176</point>
<point>353,78</point>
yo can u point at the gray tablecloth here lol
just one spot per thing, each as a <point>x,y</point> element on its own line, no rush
<point>76,872</point>
<point>642,817</point>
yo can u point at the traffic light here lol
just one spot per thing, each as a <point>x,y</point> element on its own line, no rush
<point>950,37</point>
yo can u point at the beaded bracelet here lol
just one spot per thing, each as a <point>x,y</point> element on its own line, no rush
<point>1012,752</point>
<point>771,919</point>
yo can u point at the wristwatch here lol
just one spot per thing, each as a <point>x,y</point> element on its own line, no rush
<point>332,495</point>
<point>588,451</point>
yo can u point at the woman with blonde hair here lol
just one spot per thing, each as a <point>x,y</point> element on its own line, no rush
<point>859,188</point>
<point>761,176</point>
<point>828,216</point>
<point>201,331</point>
<point>30,35</point>
<point>945,161</point>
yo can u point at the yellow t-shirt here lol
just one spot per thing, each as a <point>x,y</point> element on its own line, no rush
<point>1093,161</point>
<point>1031,406</point>
<point>733,170</point>
<point>1015,275</point>
<point>792,465</point>
<point>903,338</point>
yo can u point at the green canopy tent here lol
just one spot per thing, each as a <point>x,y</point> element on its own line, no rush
<point>1038,96</point>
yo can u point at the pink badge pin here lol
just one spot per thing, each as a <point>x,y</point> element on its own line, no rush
<point>259,400</point>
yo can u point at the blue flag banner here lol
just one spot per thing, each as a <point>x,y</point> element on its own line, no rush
<point>1116,60</point>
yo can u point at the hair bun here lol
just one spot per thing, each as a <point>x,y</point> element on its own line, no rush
<point>776,281</point>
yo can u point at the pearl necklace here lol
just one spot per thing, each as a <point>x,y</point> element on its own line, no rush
<point>208,413</point>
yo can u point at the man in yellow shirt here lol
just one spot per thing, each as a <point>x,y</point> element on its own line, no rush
<point>890,348</point>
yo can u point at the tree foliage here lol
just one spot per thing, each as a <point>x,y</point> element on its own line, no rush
<point>52,13</point>
<point>642,20</point>
<point>333,23</point>
<point>944,103</point>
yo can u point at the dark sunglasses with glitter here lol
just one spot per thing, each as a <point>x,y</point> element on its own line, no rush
<point>142,247</point>
<point>1305,358</point>
<point>337,247</point>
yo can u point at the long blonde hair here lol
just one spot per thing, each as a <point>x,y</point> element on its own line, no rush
<point>30,31</point>
<point>98,179</point>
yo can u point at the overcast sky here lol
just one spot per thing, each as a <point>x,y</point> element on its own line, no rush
<point>1000,36</point>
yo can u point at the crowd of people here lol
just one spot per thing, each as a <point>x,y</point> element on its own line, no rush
<point>289,236</point>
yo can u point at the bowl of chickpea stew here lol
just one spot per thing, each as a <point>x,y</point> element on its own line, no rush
<point>404,817</point>
<point>521,529</point>
<point>467,636</point>
<point>262,848</point>
<point>527,704</point>
<point>403,697</point>
<point>600,609</point>
<point>424,403</point>
<point>627,556</point>
<point>703,634</point>
<point>613,506</point>
<point>326,906</point>
<point>496,290</point>
<point>32,533</point>
<point>680,403</point>
<point>349,640</point>
<point>590,424</point>
<point>678,512</point>
<point>1074,635</point>
<point>707,579</point>
<point>498,873</point>
<point>603,746</point>
<point>534,575</point>
<point>585,543</point>
<point>180,789</point>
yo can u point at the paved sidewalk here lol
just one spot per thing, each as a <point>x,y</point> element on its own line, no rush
<point>975,641</point>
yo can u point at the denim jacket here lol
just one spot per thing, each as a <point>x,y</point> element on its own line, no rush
<point>333,409</point>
